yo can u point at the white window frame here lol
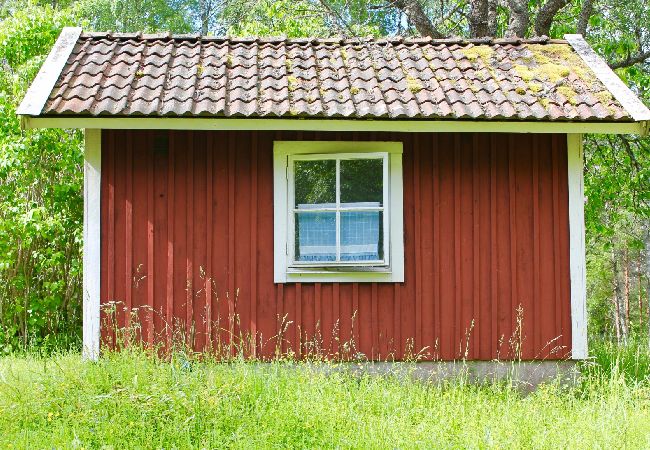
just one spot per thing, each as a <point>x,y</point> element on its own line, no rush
<point>391,269</point>
<point>337,209</point>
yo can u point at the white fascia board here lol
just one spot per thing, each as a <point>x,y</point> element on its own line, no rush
<point>394,125</point>
<point>92,243</point>
<point>632,104</point>
<point>577,247</point>
<point>40,89</point>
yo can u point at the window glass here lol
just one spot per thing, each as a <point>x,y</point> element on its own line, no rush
<point>315,236</point>
<point>338,209</point>
<point>315,182</point>
<point>362,180</point>
<point>362,236</point>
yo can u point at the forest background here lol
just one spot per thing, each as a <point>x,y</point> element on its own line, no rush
<point>41,173</point>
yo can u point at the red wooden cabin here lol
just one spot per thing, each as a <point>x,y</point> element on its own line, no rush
<point>352,198</point>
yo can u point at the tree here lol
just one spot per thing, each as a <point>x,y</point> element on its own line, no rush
<point>40,198</point>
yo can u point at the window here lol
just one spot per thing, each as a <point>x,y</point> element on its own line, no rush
<point>338,211</point>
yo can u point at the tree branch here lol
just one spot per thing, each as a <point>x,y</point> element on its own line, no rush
<point>340,23</point>
<point>630,152</point>
<point>631,60</point>
<point>546,15</point>
<point>416,15</point>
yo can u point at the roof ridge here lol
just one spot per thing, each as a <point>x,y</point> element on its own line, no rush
<point>341,40</point>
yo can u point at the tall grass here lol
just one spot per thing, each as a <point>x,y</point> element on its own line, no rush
<point>135,399</point>
<point>632,360</point>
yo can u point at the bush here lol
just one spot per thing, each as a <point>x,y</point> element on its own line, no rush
<point>41,209</point>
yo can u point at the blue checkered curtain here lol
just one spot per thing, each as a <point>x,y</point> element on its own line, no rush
<point>359,238</point>
<point>360,235</point>
<point>316,236</point>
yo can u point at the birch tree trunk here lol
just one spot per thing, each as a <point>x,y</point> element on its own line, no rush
<point>626,292</point>
<point>640,285</point>
<point>616,309</point>
<point>647,273</point>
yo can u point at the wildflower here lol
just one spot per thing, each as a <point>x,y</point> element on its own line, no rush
<point>49,416</point>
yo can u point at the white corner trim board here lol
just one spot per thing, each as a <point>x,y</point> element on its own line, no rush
<point>92,242</point>
<point>391,125</point>
<point>606,75</point>
<point>42,86</point>
<point>577,247</point>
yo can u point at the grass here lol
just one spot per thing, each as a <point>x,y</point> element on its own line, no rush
<point>135,400</point>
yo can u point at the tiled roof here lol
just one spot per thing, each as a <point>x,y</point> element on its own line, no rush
<point>163,75</point>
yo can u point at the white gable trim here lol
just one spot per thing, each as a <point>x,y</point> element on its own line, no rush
<point>333,124</point>
<point>92,242</point>
<point>42,86</point>
<point>577,247</point>
<point>632,104</point>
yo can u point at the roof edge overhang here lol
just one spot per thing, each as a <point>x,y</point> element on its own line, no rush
<point>300,124</point>
<point>632,104</point>
<point>41,88</point>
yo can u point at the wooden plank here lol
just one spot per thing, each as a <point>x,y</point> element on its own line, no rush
<point>209,237</point>
<point>147,316</point>
<point>436,242</point>
<point>160,237</point>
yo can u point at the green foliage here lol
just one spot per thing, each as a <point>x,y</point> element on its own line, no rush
<point>147,16</point>
<point>617,215</point>
<point>305,18</point>
<point>293,18</point>
<point>131,400</point>
<point>40,199</point>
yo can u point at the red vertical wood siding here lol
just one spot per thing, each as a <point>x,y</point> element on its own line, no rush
<point>187,250</point>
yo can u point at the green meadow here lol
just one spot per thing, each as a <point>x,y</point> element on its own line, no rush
<point>133,399</point>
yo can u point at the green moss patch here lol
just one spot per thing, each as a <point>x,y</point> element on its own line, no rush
<point>476,52</point>
<point>552,62</point>
<point>413,84</point>
<point>604,97</point>
<point>569,94</point>
<point>293,82</point>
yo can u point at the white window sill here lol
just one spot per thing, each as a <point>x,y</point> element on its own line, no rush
<point>341,276</point>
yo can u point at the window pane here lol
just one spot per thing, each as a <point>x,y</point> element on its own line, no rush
<point>315,182</point>
<point>362,180</point>
<point>315,236</point>
<point>362,236</point>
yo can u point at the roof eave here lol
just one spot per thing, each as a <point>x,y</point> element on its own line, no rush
<point>336,125</point>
